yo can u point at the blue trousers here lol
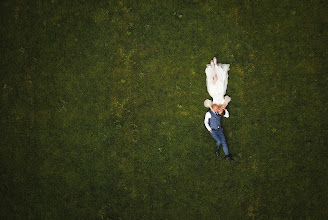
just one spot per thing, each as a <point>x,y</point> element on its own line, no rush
<point>220,139</point>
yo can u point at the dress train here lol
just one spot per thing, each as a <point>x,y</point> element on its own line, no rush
<point>218,90</point>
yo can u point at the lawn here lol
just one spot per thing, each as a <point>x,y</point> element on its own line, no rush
<point>102,109</point>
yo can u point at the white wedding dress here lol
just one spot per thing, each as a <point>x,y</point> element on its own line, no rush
<point>218,90</point>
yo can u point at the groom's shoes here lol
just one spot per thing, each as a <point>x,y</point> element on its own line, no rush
<point>217,152</point>
<point>228,157</point>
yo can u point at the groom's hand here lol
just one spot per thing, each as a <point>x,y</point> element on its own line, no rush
<point>211,131</point>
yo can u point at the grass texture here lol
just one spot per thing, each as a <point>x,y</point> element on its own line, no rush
<point>102,109</point>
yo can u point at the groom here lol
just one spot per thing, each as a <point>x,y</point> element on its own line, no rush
<point>213,124</point>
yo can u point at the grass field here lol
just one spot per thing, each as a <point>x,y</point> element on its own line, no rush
<point>102,109</point>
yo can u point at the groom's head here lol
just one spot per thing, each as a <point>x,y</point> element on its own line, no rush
<point>219,109</point>
<point>216,108</point>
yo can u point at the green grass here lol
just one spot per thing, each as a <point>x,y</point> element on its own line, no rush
<point>102,109</point>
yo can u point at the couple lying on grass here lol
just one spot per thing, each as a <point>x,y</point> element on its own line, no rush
<point>216,82</point>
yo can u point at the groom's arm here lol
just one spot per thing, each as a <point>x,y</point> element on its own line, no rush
<point>226,114</point>
<point>206,120</point>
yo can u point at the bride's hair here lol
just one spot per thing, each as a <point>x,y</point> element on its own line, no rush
<point>223,113</point>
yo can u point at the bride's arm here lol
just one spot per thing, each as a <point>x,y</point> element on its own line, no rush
<point>227,99</point>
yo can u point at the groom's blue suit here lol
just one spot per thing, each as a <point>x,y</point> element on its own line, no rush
<point>217,131</point>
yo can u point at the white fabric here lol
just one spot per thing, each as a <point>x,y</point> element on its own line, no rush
<point>218,90</point>
<point>208,103</point>
<point>208,116</point>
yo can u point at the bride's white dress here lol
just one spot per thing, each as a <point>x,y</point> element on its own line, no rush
<point>218,90</point>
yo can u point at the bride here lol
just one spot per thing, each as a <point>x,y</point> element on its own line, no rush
<point>216,82</point>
